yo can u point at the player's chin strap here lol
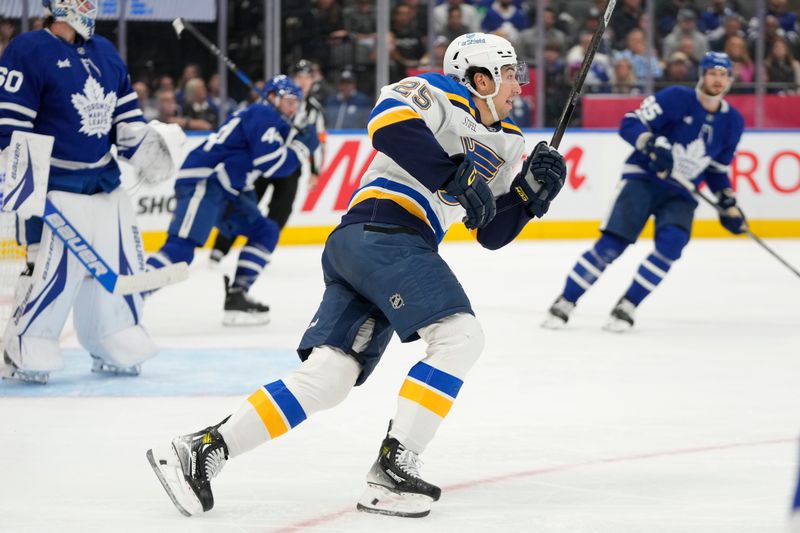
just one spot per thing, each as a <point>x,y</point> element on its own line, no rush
<point>489,99</point>
<point>714,99</point>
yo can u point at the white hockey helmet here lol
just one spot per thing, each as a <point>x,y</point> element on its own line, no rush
<point>484,50</point>
<point>80,14</point>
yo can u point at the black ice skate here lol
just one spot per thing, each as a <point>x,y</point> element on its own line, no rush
<point>241,309</point>
<point>558,314</point>
<point>10,371</point>
<point>621,319</point>
<point>185,468</point>
<point>102,366</point>
<point>394,486</point>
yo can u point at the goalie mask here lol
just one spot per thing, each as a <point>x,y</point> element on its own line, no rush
<point>482,50</point>
<point>79,14</point>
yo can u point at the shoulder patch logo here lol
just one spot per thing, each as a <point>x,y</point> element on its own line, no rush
<point>396,300</point>
<point>63,63</point>
<point>95,107</point>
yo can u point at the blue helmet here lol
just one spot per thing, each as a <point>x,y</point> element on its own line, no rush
<point>80,14</point>
<point>716,60</point>
<point>281,86</point>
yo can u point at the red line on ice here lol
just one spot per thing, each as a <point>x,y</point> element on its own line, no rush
<point>330,517</point>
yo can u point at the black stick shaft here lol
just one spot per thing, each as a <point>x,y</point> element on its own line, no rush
<point>577,86</point>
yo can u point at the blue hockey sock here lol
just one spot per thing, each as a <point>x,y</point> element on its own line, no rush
<point>591,265</point>
<point>261,242</point>
<point>650,273</point>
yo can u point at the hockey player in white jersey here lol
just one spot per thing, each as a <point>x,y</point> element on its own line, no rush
<point>447,151</point>
<point>65,82</point>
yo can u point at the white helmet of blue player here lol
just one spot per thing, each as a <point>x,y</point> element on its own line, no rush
<point>79,14</point>
<point>482,50</point>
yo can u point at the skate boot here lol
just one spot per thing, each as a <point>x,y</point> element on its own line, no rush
<point>241,309</point>
<point>394,486</point>
<point>186,466</point>
<point>558,314</point>
<point>10,372</point>
<point>621,319</point>
<point>102,366</point>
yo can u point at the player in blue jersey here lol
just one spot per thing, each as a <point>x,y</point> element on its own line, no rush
<point>215,189</point>
<point>65,82</point>
<point>691,133</point>
<point>447,151</point>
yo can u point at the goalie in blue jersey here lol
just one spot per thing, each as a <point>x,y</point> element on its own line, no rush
<point>215,189</point>
<point>682,132</point>
<point>70,86</point>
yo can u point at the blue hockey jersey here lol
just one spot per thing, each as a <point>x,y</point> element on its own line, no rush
<point>77,93</point>
<point>703,143</point>
<point>252,142</point>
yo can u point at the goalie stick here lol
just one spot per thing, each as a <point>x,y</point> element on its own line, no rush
<point>110,280</point>
<point>694,190</point>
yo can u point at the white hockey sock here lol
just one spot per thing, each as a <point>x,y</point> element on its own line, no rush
<point>321,382</point>
<point>432,385</point>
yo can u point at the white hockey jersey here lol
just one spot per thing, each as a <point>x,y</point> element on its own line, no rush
<point>416,125</point>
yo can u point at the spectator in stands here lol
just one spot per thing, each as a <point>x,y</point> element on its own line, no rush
<point>6,33</point>
<point>215,98</point>
<point>439,49</point>
<point>330,20</point>
<point>679,69</point>
<point>686,27</point>
<point>712,20</point>
<point>503,17</point>
<point>36,23</point>
<point>349,108</point>
<point>197,107</point>
<point>744,70</point>
<point>190,72</point>
<point>556,88</point>
<point>529,38</point>
<point>786,18</point>
<point>782,68</point>
<point>164,82</point>
<point>667,14</point>
<point>360,23</point>
<point>636,53</point>
<point>623,78</point>
<point>772,32</point>
<point>731,27</point>
<point>455,24</point>
<point>625,19</point>
<point>469,18</point>
<point>686,45</point>
<point>167,107</point>
<point>590,23</point>
<point>599,75</point>
<point>419,14</point>
<point>146,104</point>
<point>409,46</point>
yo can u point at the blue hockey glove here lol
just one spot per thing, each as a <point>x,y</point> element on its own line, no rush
<point>472,192</point>
<point>730,216</point>
<point>659,150</point>
<point>540,179</point>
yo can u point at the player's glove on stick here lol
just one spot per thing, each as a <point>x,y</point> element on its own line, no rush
<point>730,216</point>
<point>472,192</point>
<point>305,142</point>
<point>659,151</point>
<point>540,180</point>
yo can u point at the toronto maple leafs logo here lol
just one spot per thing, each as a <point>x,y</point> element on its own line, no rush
<point>691,160</point>
<point>95,107</point>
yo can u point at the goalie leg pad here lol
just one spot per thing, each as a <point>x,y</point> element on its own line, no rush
<point>429,391</point>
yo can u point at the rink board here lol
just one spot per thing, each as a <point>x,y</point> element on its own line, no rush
<point>765,174</point>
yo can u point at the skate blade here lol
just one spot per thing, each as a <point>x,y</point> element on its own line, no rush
<point>615,325</point>
<point>380,500</point>
<point>129,371</point>
<point>171,478</point>
<point>553,322</point>
<point>238,318</point>
<point>10,373</point>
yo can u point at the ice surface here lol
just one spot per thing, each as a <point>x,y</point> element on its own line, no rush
<point>686,424</point>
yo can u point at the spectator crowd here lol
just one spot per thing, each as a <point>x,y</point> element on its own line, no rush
<point>340,38</point>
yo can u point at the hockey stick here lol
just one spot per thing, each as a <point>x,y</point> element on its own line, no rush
<point>691,187</point>
<point>577,86</point>
<point>182,25</point>
<point>111,281</point>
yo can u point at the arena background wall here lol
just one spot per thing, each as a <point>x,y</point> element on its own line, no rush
<point>765,174</point>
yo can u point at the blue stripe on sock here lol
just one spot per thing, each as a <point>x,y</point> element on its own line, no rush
<point>437,379</point>
<point>289,405</point>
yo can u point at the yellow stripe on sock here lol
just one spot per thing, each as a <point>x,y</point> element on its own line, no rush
<point>426,398</point>
<point>268,413</point>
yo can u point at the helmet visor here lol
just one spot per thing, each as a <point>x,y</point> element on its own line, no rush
<point>518,70</point>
